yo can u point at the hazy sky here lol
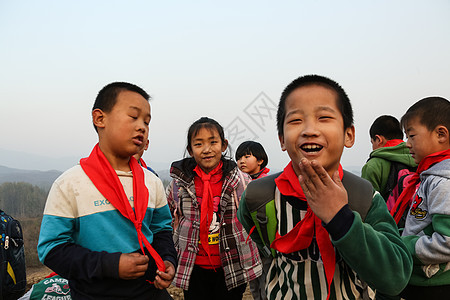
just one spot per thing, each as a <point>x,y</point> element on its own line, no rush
<point>226,60</point>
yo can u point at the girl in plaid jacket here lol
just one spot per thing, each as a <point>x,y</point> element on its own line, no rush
<point>214,259</point>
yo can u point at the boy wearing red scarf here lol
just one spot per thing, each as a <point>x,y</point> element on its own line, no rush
<point>106,224</point>
<point>427,227</point>
<point>323,249</point>
<point>386,137</point>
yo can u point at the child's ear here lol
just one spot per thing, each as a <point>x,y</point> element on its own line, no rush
<point>349,138</point>
<point>260,162</point>
<point>98,118</point>
<point>224,145</point>
<point>442,133</point>
<point>281,138</point>
<point>379,141</point>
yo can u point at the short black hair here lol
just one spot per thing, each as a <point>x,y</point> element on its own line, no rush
<point>252,148</point>
<point>343,102</point>
<point>387,126</point>
<point>431,111</point>
<point>107,96</point>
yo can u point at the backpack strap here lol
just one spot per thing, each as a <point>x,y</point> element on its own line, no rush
<point>260,191</point>
<point>359,193</point>
<point>259,197</point>
<point>392,180</point>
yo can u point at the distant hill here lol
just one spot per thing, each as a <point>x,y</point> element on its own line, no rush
<point>43,179</point>
<point>16,166</point>
<point>354,169</point>
<point>164,175</point>
<point>30,161</point>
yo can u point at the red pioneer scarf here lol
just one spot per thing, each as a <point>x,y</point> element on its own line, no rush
<point>403,200</point>
<point>300,237</point>
<point>262,173</point>
<point>207,206</point>
<point>392,143</point>
<point>105,179</point>
<point>142,162</point>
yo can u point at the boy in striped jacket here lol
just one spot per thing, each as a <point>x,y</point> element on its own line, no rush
<point>324,247</point>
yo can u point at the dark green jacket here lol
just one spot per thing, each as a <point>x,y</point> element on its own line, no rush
<point>377,168</point>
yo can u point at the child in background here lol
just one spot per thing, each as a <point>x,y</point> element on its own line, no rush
<point>325,249</point>
<point>388,147</point>
<point>215,262</point>
<point>138,157</point>
<point>106,224</point>
<point>252,159</point>
<point>427,229</point>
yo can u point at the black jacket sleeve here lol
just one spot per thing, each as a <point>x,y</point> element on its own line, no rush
<point>72,261</point>
<point>163,244</point>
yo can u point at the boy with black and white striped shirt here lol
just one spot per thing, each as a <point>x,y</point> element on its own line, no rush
<point>324,249</point>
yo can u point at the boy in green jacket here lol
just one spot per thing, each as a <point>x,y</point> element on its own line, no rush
<point>388,147</point>
<point>323,249</point>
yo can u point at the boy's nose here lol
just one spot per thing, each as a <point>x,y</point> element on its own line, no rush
<point>408,144</point>
<point>309,129</point>
<point>141,127</point>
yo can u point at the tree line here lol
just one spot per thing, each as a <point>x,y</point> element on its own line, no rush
<point>22,199</point>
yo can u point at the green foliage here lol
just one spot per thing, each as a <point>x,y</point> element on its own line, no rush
<point>25,202</point>
<point>21,199</point>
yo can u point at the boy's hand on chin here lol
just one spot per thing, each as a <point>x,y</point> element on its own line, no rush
<point>325,195</point>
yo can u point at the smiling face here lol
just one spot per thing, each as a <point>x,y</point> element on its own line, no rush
<point>206,148</point>
<point>249,164</point>
<point>421,141</point>
<point>313,127</point>
<point>123,131</point>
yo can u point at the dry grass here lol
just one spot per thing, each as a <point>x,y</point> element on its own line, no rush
<point>30,228</point>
